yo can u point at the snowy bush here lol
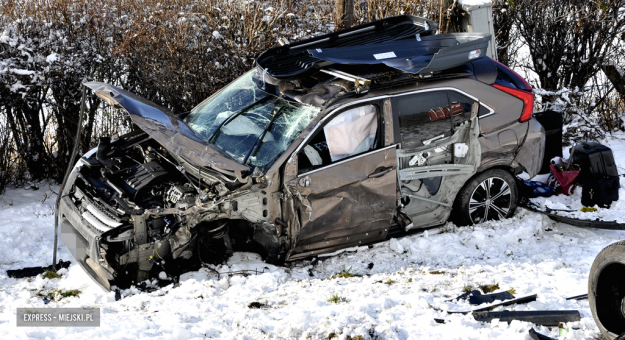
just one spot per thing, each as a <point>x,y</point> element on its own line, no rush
<point>175,53</point>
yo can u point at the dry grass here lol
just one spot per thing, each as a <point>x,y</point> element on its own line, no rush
<point>335,298</point>
<point>69,293</point>
<point>50,274</point>
<point>489,288</point>
<point>370,10</point>
<point>345,274</point>
<point>58,294</point>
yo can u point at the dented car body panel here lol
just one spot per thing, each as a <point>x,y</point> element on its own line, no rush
<point>345,204</point>
<point>286,169</point>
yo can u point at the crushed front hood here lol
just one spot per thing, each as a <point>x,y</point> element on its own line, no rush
<point>164,127</point>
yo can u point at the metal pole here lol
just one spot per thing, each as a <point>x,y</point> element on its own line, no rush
<point>70,166</point>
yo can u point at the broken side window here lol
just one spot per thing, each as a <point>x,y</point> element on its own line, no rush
<point>423,118</point>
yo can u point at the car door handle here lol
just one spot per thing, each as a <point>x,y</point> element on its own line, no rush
<point>381,171</point>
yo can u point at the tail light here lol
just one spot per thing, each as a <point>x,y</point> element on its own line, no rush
<point>523,91</point>
<point>526,97</point>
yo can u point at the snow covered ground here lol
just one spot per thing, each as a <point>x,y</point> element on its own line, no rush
<point>397,298</point>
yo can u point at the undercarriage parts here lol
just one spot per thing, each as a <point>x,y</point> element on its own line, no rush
<point>145,217</point>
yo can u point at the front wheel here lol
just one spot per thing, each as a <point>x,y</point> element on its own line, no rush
<point>491,195</point>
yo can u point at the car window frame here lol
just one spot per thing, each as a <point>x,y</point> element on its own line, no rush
<point>380,100</point>
<point>379,138</point>
<point>396,133</point>
<point>396,120</point>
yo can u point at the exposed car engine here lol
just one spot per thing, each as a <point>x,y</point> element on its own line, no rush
<point>154,218</point>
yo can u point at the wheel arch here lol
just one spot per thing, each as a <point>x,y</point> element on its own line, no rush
<point>457,213</point>
<point>481,170</point>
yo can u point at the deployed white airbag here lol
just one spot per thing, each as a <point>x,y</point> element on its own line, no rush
<point>351,132</point>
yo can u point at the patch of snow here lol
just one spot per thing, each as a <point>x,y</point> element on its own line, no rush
<point>396,246</point>
<point>5,37</point>
<point>17,86</point>
<point>21,72</point>
<point>341,251</point>
<point>474,2</point>
<point>52,58</point>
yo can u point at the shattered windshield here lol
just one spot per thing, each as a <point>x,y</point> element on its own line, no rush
<point>249,125</point>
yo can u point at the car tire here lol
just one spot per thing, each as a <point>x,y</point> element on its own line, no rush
<point>475,203</point>
<point>606,291</point>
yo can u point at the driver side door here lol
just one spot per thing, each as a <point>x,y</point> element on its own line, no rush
<point>346,186</point>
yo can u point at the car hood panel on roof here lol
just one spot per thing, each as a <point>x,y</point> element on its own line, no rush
<point>164,127</point>
<point>293,61</point>
<point>420,55</point>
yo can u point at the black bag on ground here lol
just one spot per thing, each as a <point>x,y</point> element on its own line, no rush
<point>598,174</point>
<point>600,191</point>
<point>594,160</point>
<point>552,123</point>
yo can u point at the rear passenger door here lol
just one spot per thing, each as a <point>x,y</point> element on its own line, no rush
<point>429,126</point>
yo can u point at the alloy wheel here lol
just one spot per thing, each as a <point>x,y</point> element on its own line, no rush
<point>490,200</point>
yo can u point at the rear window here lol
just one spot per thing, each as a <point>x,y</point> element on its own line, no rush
<point>482,111</point>
<point>508,78</point>
<point>504,79</point>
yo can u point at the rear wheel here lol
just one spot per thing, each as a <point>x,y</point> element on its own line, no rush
<point>606,290</point>
<point>491,195</point>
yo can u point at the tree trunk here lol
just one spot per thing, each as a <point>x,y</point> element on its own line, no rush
<point>344,16</point>
<point>616,76</point>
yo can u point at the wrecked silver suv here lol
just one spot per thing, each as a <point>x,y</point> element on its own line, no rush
<point>337,141</point>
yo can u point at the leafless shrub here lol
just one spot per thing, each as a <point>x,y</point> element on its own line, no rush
<point>569,40</point>
<point>11,172</point>
<point>506,34</point>
<point>567,43</point>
